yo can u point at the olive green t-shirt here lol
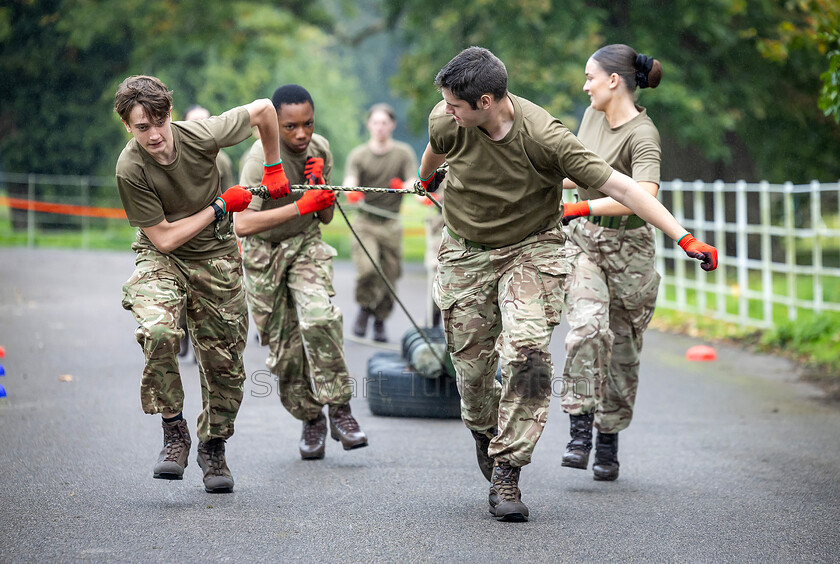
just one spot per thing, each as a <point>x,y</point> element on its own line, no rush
<point>500,192</point>
<point>152,192</point>
<point>377,171</point>
<point>293,165</point>
<point>225,166</point>
<point>632,148</point>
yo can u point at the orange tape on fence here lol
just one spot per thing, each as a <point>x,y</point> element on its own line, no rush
<point>65,209</point>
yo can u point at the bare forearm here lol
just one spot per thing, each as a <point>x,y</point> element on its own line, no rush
<point>167,237</point>
<point>624,190</point>
<point>264,118</point>
<point>609,207</point>
<point>430,162</point>
<point>251,222</point>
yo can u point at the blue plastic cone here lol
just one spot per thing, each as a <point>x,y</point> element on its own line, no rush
<point>2,392</point>
<point>2,370</point>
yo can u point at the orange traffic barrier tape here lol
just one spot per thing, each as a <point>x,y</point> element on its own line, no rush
<point>65,209</point>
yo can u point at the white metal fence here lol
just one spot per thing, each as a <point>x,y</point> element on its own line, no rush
<point>778,244</point>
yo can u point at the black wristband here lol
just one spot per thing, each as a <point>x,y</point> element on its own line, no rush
<point>217,209</point>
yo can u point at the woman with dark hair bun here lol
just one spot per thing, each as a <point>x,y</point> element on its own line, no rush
<point>611,291</point>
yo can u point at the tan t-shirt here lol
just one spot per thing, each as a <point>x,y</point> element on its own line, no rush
<point>499,192</point>
<point>293,165</point>
<point>152,192</point>
<point>225,166</point>
<point>632,148</point>
<point>378,170</point>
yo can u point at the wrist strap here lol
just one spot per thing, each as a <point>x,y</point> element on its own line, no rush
<point>224,204</point>
<point>687,234</point>
<point>275,164</point>
<point>427,178</point>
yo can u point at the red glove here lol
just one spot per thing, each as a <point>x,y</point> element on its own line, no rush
<point>235,198</point>
<point>314,171</point>
<point>315,201</point>
<point>275,180</point>
<point>574,210</point>
<point>433,182</point>
<point>395,184</point>
<point>699,250</point>
<point>353,197</point>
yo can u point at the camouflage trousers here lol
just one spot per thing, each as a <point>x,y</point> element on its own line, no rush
<point>503,304</point>
<point>610,298</point>
<point>383,240</point>
<point>217,319</point>
<point>289,286</point>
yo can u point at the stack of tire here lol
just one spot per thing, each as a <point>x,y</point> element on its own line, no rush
<point>414,382</point>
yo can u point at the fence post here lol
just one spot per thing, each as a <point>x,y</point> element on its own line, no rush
<point>85,184</point>
<point>720,242</point>
<point>790,251</point>
<point>742,251</point>
<point>698,213</point>
<point>766,253</point>
<point>30,212</point>
<point>679,262</point>
<point>816,250</point>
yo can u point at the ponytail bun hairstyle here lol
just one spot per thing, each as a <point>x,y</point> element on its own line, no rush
<point>635,69</point>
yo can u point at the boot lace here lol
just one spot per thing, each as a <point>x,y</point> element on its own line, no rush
<point>506,482</point>
<point>312,431</point>
<point>214,454</point>
<point>174,441</point>
<point>344,420</point>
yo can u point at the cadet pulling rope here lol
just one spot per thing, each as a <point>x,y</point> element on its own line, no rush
<point>262,192</point>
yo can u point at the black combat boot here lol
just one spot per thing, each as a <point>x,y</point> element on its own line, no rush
<point>482,444</point>
<point>360,326</point>
<point>505,497</point>
<point>345,428</point>
<point>379,331</point>
<point>577,451</point>
<point>313,437</point>
<point>606,457</point>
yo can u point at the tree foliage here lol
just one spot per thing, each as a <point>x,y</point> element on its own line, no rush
<point>67,57</point>
<point>720,92</point>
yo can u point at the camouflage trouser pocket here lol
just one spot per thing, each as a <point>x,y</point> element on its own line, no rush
<point>553,279</point>
<point>637,293</point>
<point>445,301</point>
<point>145,265</point>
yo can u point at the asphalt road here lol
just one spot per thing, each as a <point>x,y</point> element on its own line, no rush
<point>726,461</point>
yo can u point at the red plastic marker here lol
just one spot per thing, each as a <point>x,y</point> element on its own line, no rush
<point>701,353</point>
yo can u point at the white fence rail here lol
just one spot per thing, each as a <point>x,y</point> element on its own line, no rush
<point>778,244</point>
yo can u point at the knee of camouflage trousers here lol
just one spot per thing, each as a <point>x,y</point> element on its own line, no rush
<point>531,374</point>
<point>158,336</point>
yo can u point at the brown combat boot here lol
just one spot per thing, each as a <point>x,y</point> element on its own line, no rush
<point>577,450</point>
<point>505,497</point>
<point>313,438</point>
<point>211,459</point>
<point>176,450</point>
<point>360,326</point>
<point>345,428</point>
<point>605,466</point>
<point>482,444</point>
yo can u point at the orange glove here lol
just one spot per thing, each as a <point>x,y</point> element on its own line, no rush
<point>574,210</point>
<point>395,184</point>
<point>314,171</point>
<point>315,201</point>
<point>699,250</point>
<point>235,199</point>
<point>353,197</point>
<point>274,178</point>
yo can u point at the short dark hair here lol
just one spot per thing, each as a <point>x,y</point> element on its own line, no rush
<point>634,68</point>
<point>148,91</point>
<point>473,72</point>
<point>291,94</point>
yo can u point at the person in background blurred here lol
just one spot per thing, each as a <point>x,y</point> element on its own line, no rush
<point>611,291</point>
<point>171,190</point>
<point>288,280</point>
<point>382,162</point>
